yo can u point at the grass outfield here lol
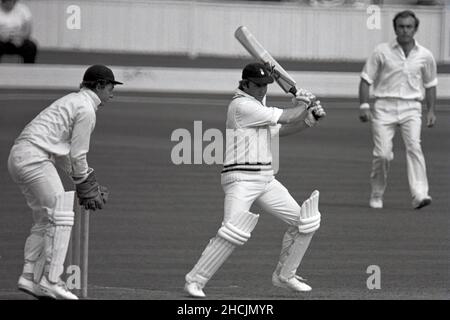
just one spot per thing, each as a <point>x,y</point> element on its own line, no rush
<point>160,216</point>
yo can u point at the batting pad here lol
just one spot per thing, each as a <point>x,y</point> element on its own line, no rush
<point>238,229</point>
<point>296,240</point>
<point>58,234</point>
<point>309,214</point>
<point>233,233</point>
<point>293,248</point>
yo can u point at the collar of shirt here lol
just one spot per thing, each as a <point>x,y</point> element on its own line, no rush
<point>395,44</point>
<point>239,92</point>
<point>93,97</point>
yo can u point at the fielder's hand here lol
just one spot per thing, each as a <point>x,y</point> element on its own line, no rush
<point>364,115</point>
<point>91,195</point>
<point>431,119</point>
<point>364,112</point>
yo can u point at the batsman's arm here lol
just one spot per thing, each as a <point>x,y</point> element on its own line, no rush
<point>364,95</point>
<point>295,114</point>
<point>291,128</point>
<point>314,114</point>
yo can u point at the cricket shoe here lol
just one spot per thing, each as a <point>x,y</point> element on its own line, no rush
<point>194,290</point>
<point>56,290</point>
<point>295,283</point>
<point>376,203</point>
<point>30,287</point>
<point>417,204</point>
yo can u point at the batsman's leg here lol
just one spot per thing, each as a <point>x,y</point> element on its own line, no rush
<point>303,221</point>
<point>233,233</point>
<point>239,196</point>
<point>295,243</point>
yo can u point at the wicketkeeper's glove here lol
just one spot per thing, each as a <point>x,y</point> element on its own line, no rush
<point>91,195</point>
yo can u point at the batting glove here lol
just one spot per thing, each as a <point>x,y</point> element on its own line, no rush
<point>317,110</point>
<point>305,96</point>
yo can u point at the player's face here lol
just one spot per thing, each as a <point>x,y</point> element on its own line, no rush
<point>405,28</point>
<point>105,93</point>
<point>258,91</point>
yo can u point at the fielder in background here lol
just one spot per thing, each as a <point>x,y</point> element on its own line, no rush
<point>402,73</point>
<point>248,177</point>
<point>59,135</point>
<point>15,31</point>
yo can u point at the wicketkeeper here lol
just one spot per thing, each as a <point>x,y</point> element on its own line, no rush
<point>248,177</point>
<point>60,136</point>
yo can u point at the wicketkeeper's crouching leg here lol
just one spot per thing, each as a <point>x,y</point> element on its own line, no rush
<point>57,239</point>
<point>295,243</point>
<point>234,232</point>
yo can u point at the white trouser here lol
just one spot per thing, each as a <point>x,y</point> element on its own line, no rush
<point>273,198</point>
<point>33,170</point>
<point>387,115</point>
<point>269,195</point>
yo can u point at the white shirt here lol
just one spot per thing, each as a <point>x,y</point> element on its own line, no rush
<point>64,129</point>
<point>394,75</point>
<point>12,22</point>
<point>250,127</point>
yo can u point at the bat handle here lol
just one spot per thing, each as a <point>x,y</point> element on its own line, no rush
<point>293,90</point>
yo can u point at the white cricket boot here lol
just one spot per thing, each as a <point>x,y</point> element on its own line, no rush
<point>194,290</point>
<point>56,290</point>
<point>29,287</point>
<point>376,202</point>
<point>420,203</point>
<point>293,283</point>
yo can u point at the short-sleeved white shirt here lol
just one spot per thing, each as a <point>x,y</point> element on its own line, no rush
<point>394,75</point>
<point>12,21</point>
<point>250,127</point>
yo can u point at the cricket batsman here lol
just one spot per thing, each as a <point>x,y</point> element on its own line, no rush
<point>248,177</point>
<point>58,136</point>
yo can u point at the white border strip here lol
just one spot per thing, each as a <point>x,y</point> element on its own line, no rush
<point>182,80</point>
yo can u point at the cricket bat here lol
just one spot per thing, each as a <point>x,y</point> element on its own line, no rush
<point>252,45</point>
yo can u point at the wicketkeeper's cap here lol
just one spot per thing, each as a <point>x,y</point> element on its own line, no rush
<point>100,72</point>
<point>257,73</point>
